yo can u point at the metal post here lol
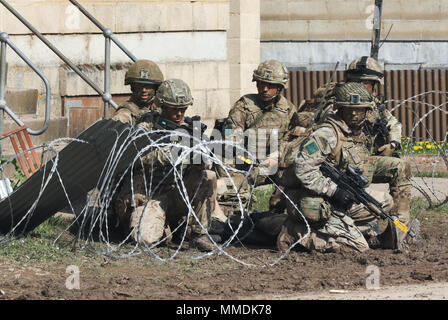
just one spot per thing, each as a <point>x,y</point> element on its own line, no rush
<point>3,37</point>
<point>102,28</point>
<point>107,34</point>
<point>376,29</point>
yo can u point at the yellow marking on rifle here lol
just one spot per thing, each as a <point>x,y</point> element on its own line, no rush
<point>247,161</point>
<point>401,226</point>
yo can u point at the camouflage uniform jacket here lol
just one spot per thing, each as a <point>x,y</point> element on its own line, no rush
<point>130,112</point>
<point>248,113</point>
<point>393,125</point>
<point>158,162</point>
<point>334,142</point>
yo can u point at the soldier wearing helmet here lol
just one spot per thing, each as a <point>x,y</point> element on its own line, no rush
<point>144,77</point>
<point>335,221</point>
<point>367,71</point>
<point>150,204</point>
<point>263,118</point>
<point>267,109</point>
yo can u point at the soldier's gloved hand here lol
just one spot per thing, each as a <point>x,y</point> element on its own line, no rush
<point>388,149</point>
<point>342,199</point>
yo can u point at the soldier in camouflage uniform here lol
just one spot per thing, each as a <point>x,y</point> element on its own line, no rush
<point>148,217</point>
<point>144,76</point>
<point>368,71</point>
<point>262,114</point>
<point>331,215</point>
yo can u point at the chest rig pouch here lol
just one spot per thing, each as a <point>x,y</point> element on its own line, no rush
<point>353,151</point>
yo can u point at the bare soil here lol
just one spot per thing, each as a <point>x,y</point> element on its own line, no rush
<point>299,275</point>
<point>420,274</point>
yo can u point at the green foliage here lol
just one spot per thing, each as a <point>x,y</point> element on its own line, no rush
<point>263,195</point>
<point>430,174</point>
<point>413,146</point>
<point>19,176</point>
<point>39,246</point>
<point>420,210</point>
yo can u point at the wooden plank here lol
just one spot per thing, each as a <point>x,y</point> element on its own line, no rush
<point>436,87</point>
<point>443,101</point>
<point>423,85</point>
<point>82,118</point>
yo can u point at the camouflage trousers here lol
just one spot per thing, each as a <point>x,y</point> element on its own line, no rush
<point>228,196</point>
<point>396,172</point>
<point>149,218</point>
<point>318,225</point>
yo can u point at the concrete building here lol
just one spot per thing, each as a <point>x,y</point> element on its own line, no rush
<point>214,45</point>
<point>314,34</point>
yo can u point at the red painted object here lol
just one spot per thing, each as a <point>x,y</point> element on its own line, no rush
<point>22,149</point>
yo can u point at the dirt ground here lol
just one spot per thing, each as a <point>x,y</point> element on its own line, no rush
<point>299,275</point>
<point>421,274</point>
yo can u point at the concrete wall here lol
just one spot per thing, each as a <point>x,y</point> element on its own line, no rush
<point>244,45</point>
<point>212,44</point>
<point>314,34</point>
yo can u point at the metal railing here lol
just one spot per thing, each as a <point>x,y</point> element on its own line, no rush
<point>5,41</point>
<point>108,34</point>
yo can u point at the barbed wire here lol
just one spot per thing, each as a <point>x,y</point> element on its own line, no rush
<point>95,222</point>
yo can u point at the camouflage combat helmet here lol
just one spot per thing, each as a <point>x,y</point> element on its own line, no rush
<point>365,68</point>
<point>144,71</point>
<point>174,93</point>
<point>271,71</point>
<point>352,94</point>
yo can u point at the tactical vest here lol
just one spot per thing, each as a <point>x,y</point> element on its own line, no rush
<point>285,175</point>
<point>276,117</point>
<point>351,150</point>
<point>155,162</point>
<point>135,110</point>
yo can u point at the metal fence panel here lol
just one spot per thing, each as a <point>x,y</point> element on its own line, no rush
<point>427,88</point>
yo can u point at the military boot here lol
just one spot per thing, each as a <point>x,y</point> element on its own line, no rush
<point>202,243</point>
<point>394,238</point>
<point>284,239</point>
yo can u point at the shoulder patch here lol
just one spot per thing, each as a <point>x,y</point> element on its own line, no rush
<point>311,148</point>
<point>324,142</point>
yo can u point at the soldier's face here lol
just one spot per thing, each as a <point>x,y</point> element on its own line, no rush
<point>266,90</point>
<point>143,92</point>
<point>173,114</point>
<point>370,85</point>
<point>353,117</point>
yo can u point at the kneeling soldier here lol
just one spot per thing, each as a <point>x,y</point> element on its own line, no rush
<point>149,203</point>
<point>329,211</point>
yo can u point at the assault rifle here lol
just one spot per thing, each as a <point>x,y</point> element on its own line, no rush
<point>353,182</point>
<point>192,126</point>
<point>378,130</point>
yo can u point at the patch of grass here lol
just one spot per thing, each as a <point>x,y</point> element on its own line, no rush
<point>430,174</point>
<point>420,210</point>
<point>38,246</point>
<point>263,195</point>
